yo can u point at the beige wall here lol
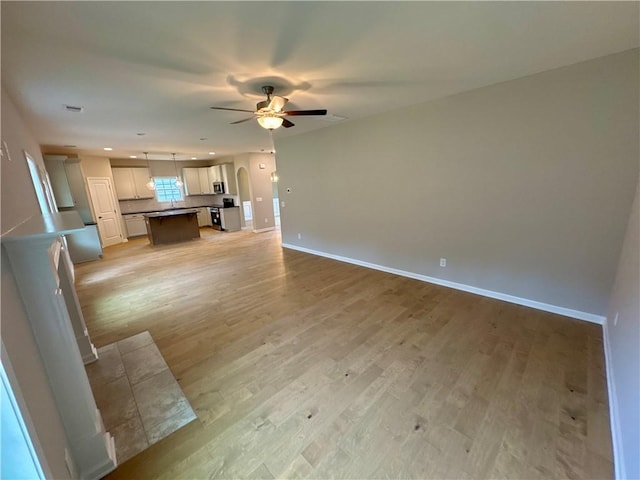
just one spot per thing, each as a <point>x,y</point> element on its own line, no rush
<point>19,203</point>
<point>524,186</point>
<point>260,185</point>
<point>261,188</point>
<point>623,338</point>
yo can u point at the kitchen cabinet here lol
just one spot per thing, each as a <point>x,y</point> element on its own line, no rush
<point>205,184</point>
<point>135,225</point>
<point>191,180</point>
<point>229,179</point>
<point>204,217</point>
<point>197,181</point>
<point>131,183</point>
<point>215,174</point>
<point>55,166</point>
<point>224,173</point>
<point>173,226</point>
<point>230,219</point>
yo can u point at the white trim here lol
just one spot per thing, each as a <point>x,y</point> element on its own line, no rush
<point>268,229</point>
<point>614,416</point>
<point>589,317</point>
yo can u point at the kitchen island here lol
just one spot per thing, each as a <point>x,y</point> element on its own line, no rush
<point>170,226</point>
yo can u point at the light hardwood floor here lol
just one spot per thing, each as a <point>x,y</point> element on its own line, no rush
<point>301,366</point>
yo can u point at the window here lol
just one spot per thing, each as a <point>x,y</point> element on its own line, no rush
<point>166,190</point>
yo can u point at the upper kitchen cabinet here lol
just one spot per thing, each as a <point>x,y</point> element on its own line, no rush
<point>199,181</point>
<point>224,173</point>
<point>68,185</point>
<point>196,181</point>
<point>215,174</point>
<point>55,165</point>
<point>229,179</point>
<point>131,183</point>
<point>205,184</point>
<point>191,181</point>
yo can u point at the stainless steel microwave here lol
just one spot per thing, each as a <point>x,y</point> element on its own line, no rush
<point>218,187</point>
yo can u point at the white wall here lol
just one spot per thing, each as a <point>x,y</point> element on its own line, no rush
<point>622,343</point>
<point>524,186</point>
<point>18,204</point>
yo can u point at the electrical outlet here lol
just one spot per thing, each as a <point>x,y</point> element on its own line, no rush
<point>443,262</point>
<point>299,236</point>
<point>282,204</point>
<point>615,319</point>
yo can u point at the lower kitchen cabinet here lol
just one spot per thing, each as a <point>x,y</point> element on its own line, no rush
<point>135,225</point>
<point>204,217</point>
<point>230,219</point>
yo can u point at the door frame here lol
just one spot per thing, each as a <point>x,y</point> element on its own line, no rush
<point>114,204</point>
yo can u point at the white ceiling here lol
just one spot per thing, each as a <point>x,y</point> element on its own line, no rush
<point>157,67</point>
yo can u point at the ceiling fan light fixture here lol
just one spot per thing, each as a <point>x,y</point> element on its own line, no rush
<point>270,122</point>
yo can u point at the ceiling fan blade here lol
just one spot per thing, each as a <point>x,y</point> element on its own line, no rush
<point>305,112</point>
<point>286,123</point>
<point>231,109</point>
<point>242,121</point>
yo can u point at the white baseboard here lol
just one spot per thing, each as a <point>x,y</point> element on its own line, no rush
<point>268,229</point>
<point>614,417</point>
<point>588,317</point>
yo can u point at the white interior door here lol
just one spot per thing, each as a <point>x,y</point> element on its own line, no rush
<point>104,208</point>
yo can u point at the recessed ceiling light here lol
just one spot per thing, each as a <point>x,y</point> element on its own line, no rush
<point>133,156</point>
<point>108,149</point>
<point>212,153</point>
<point>193,158</point>
<point>203,138</point>
<point>140,134</point>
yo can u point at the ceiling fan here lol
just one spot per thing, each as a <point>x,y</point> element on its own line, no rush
<point>270,113</point>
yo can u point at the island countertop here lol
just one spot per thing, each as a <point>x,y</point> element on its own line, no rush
<point>171,213</point>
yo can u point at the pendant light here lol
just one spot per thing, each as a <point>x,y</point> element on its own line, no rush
<point>151,185</point>
<point>179,182</point>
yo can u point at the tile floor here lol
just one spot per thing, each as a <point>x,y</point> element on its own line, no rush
<point>138,397</point>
